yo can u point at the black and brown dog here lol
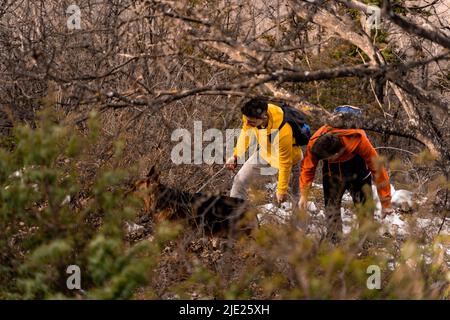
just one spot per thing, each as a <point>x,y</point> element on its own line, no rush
<point>213,214</point>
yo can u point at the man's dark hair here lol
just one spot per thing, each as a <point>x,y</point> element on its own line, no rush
<point>255,108</point>
<point>326,146</point>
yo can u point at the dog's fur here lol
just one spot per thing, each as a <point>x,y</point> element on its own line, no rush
<point>213,214</point>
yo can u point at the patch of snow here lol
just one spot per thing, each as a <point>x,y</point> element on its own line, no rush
<point>16,174</point>
<point>428,259</point>
<point>349,220</point>
<point>281,213</point>
<point>311,207</point>
<point>272,186</point>
<point>66,200</point>
<point>391,266</point>
<point>286,206</point>
<point>346,229</point>
<point>347,197</point>
<point>321,214</point>
<point>423,223</point>
<point>399,198</point>
<point>315,229</point>
<point>422,200</point>
<point>394,224</point>
<point>133,228</point>
<point>376,199</point>
<point>402,199</point>
<point>375,193</point>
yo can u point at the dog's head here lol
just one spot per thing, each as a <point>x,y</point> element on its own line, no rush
<point>147,187</point>
<point>151,191</point>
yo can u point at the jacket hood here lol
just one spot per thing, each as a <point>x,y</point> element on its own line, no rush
<point>350,138</point>
<point>275,114</point>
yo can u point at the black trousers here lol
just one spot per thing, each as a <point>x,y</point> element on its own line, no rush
<point>352,175</point>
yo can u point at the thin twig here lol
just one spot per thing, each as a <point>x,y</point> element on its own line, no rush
<point>398,149</point>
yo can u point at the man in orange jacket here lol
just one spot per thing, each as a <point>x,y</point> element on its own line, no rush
<point>350,162</point>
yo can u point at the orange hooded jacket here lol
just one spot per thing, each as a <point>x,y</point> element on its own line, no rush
<point>355,141</point>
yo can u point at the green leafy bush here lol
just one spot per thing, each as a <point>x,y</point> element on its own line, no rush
<point>44,232</point>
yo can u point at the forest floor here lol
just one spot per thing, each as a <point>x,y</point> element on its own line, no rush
<point>417,220</point>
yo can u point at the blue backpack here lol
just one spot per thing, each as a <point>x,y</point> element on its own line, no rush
<point>348,109</point>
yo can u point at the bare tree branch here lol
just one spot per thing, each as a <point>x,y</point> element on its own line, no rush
<point>432,35</point>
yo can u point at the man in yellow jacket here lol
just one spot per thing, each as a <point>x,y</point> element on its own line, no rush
<point>276,152</point>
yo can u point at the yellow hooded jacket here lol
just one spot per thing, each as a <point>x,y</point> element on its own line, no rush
<point>282,155</point>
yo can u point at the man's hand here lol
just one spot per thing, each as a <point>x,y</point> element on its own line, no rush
<point>231,163</point>
<point>302,203</point>
<point>281,197</point>
<point>385,212</point>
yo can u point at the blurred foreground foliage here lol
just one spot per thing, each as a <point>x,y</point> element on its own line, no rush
<point>282,262</point>
<point>43,232</point>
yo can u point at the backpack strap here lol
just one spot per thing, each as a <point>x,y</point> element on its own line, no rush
<point>272,135</point>
<point>283,122</point>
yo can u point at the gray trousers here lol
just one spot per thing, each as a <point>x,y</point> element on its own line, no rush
<point>256,172</point>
